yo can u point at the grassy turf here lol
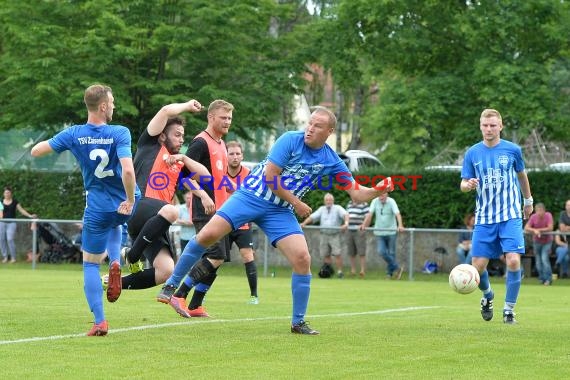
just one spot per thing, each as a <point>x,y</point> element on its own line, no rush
<point>370,329</point>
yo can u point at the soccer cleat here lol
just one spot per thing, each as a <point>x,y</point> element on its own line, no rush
<point>509,317</point>
<point>114,282</point>
<point>166,293</point>
<point>135,267</point>
<point>253,300</point>
<point>179,305</point>
<point>99,329</point>
<point>199,312</point>
<point>487,307</point>
<point>303,328</point>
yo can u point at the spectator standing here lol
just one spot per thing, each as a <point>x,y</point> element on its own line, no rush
<point>330,215</point>
<point>187,230</point>
<point>389,222</point>
<point>540,222</point>
<point>561,251</point>
<point>562,240</point>
<point>355,237</point>
<point>564,219</point>
<point>463,250</point>
<point>8,229</point>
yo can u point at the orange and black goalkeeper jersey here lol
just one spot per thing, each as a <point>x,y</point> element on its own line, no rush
<point>155,178</point>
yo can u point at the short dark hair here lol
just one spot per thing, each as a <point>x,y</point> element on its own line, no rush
<point>176,120</point>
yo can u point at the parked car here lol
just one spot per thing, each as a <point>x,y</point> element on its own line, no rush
<point>560,166</point>
<point>445,168</point>
<point>354,159</point>
<point>359,159</point>
<point>249,164</point>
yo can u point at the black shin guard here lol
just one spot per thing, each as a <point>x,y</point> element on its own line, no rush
<point>199,272</point>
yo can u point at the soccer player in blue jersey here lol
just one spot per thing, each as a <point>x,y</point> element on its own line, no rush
<point>495,169</point>
<point>270,197</point>
<point>104,155</point>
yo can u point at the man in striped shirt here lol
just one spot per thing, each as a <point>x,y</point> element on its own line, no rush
<point>270,197</point>
<point>355,238</point>
<point>495,169</point>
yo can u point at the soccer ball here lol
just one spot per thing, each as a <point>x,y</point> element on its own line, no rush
<point>464,279</point>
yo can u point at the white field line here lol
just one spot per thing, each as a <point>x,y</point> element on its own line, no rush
<point>199,321</point>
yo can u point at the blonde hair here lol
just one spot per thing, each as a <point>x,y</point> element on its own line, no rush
<point>218,103</point>
<point>95,95</point>
<point>489,112</point>
<point>329,113</point>
<point>234,144</point>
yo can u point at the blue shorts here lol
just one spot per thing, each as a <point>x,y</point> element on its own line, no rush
<point>96,229</point>
<point>275,221</point>
<point>492,240</point>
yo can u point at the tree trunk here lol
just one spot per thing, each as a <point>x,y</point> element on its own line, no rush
<point>355,125</point>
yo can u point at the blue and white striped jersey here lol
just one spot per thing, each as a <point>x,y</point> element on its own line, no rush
<point>304,169</point>
<point>498,191</point>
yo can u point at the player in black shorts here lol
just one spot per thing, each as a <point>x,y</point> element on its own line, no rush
<point>243,238</point>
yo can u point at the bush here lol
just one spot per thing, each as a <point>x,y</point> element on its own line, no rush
<point>49,195</point>
<point>436,202</point>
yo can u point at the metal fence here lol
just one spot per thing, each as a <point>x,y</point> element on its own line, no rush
<point>414,246</point>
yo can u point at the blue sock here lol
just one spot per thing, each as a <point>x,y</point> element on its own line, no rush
<point>513,287</point>
<point>202,287</point>
<point>485,285</point>
<point>192,252</point>
<point>93,290</point>
<point>189,282</point>
<point>114,245</point>
<point>300,289</point>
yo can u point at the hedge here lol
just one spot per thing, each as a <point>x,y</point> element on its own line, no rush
<point>436,202</point>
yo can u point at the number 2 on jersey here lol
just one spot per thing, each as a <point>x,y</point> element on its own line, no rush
<point>99,170</point>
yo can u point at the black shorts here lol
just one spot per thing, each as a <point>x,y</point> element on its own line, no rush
<point>242,238</point>
<point>146,209</point>
<point>220,249</point>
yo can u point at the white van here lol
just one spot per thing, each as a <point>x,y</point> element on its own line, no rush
<point>445,168</point>
<point>359,159</point>
<point>559,167</point>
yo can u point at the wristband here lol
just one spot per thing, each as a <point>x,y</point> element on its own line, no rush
<point>528,201</point>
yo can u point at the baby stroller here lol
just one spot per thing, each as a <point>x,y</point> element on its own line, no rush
<point>60,247</point>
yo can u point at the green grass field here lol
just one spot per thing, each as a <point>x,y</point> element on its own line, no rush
<point>370,329</point>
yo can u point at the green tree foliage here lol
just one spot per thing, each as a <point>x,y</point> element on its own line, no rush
<point>151,53</point>
<point>439,63</point>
